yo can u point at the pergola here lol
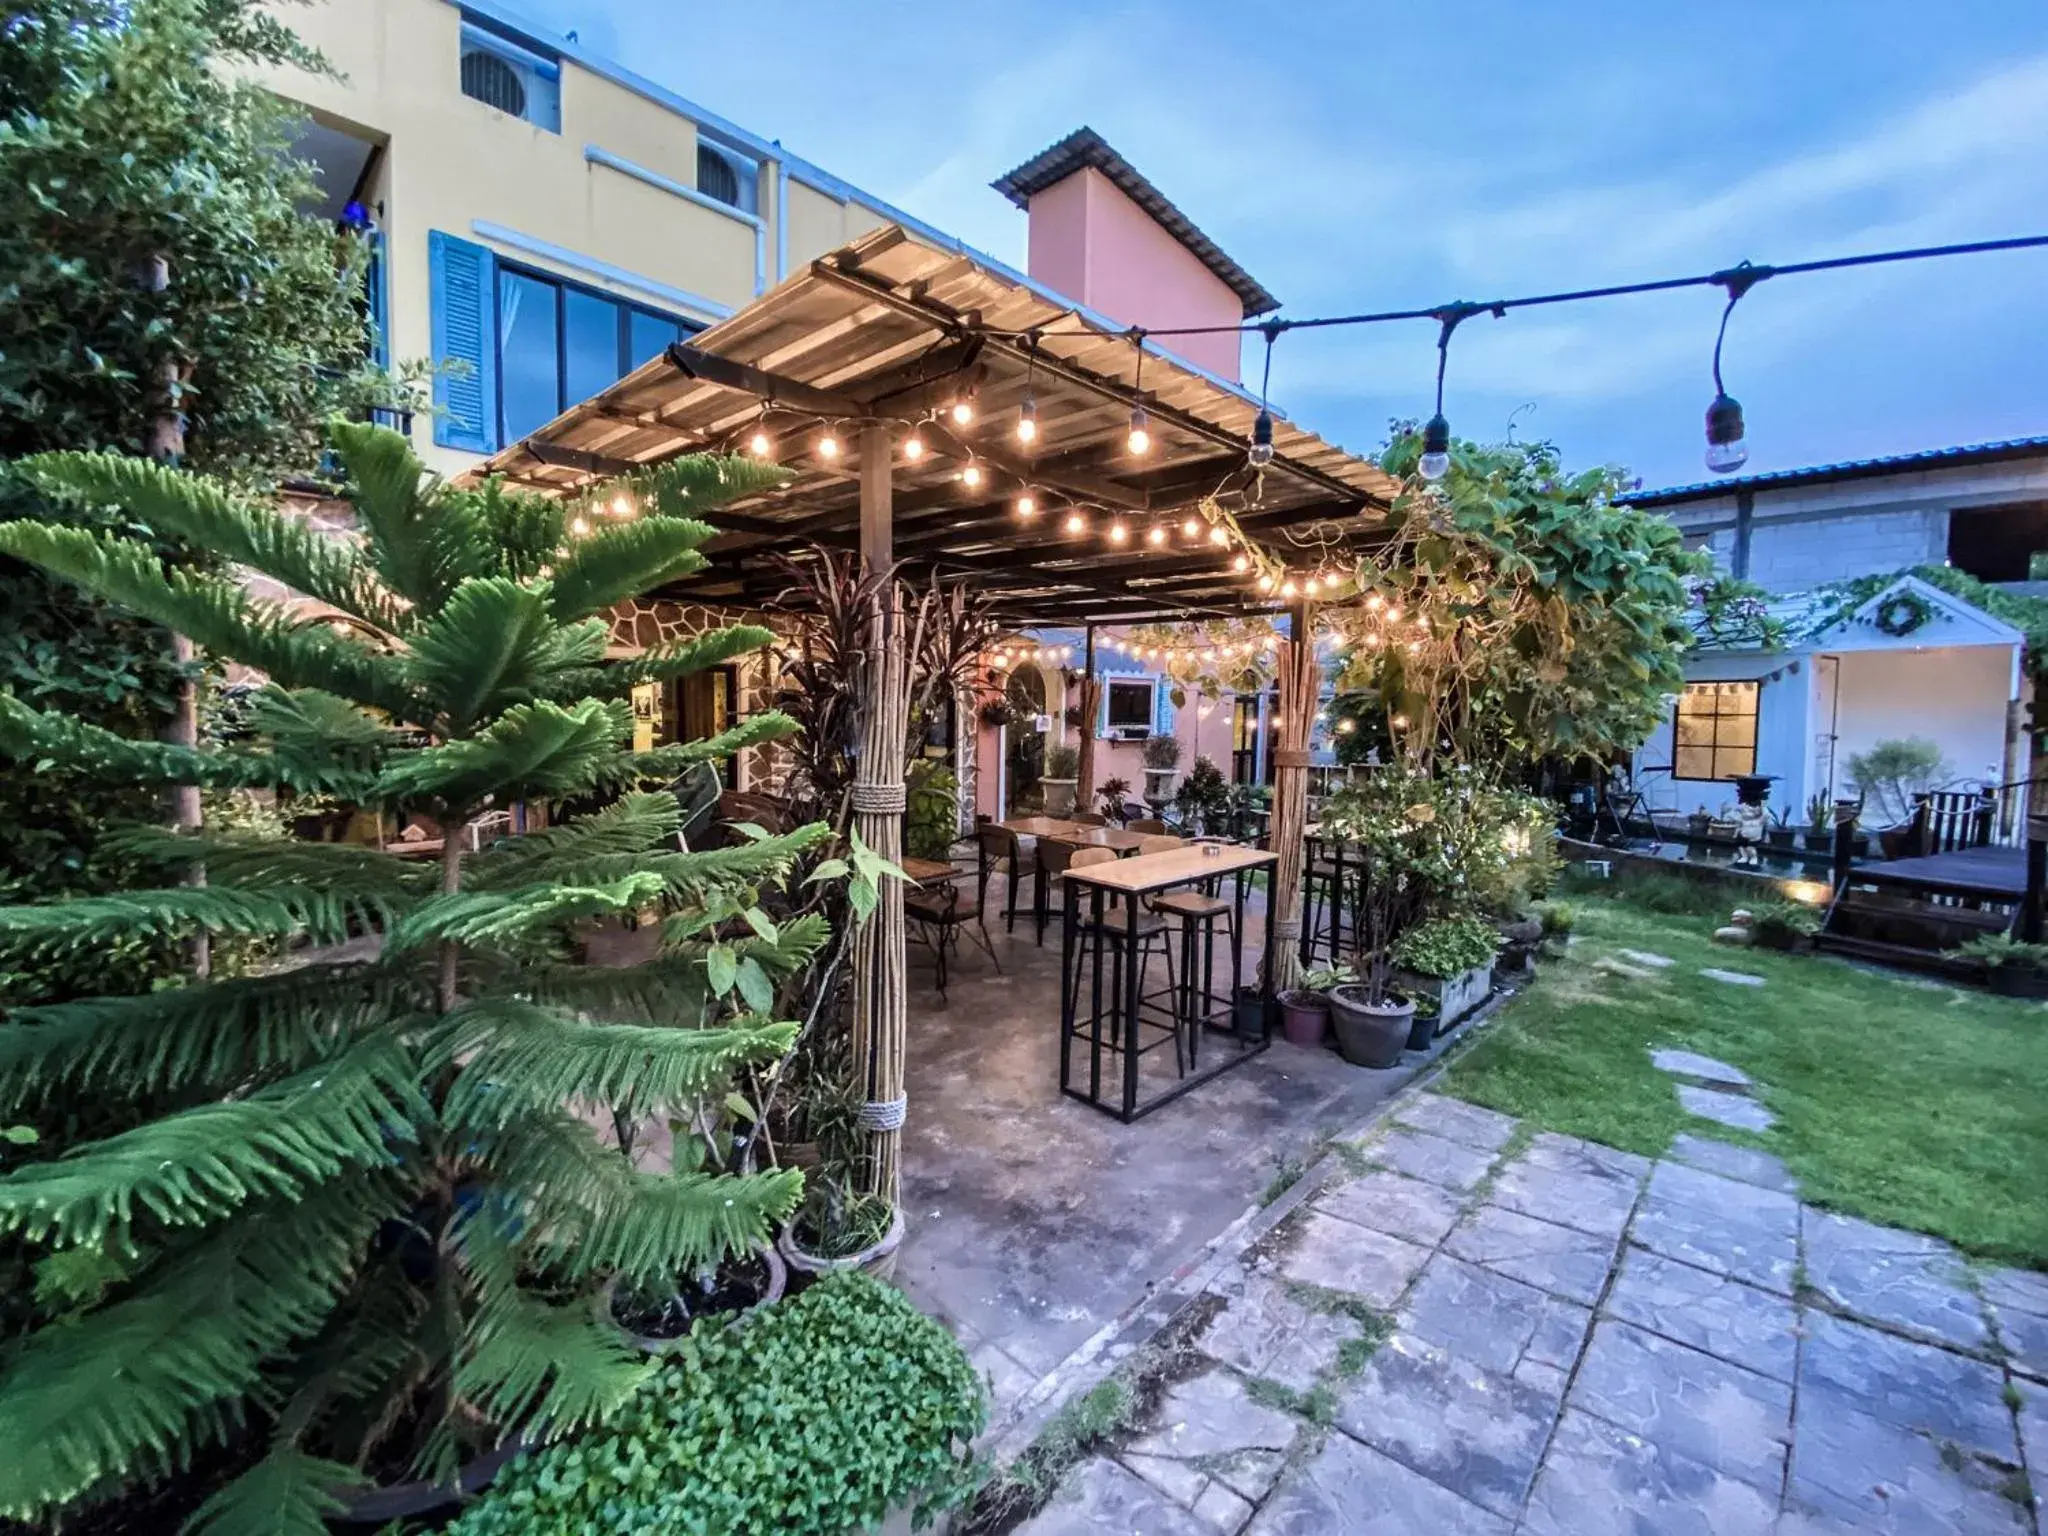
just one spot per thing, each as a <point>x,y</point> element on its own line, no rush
<point>851,372</point>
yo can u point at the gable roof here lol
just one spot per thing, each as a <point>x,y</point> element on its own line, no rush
<point>1849,469</point>
<point>1085,149</point>
<point>1822,620</point>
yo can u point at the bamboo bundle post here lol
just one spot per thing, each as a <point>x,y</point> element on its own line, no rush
<point>1091,702</point>
<point>1299,678</point>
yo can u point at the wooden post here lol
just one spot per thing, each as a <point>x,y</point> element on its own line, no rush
<point>1084,791</point>
<point>879,961</point>
<point>1298,680</point>
<point>2037,879</point>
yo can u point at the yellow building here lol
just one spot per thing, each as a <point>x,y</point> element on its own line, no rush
<point>541,214</point>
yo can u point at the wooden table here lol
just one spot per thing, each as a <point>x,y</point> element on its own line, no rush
<point>1040,826</point>
<point>1131,879</point>
<point>1116,839</point>
<point>929,871</point>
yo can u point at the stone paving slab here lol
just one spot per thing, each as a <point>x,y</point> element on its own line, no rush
<point>1568,1154</point>
<point>1729,1109</point>
<point>1099,1497</point>
<point>1744,1164</point>
<point>1394,1204</point>
<point>1352,1490</point>
<point>1903,1279</point>
<point>1492,1321</point>
<point>1687,1402</point>
<point>1476,1433</point>
<point>1595,1203</point>
<point>1720,1224</point>
<point>1731,978</point>
<point>1453,1119</point>
<point>1727,1319</point>
<point>1655,962</point>
<point>1561,1260</point>
<point>1433,1159</point>
<point>1209,1427</point>
<point>1339,1256</point>
<point>2018,1299</point>
<point>1264,1331</point>
<point>1913,1386</point>
<point>1873,1476</point>
<point>2033,1417</point>
<point>1704,1068</point>
<point>1599,1480</point>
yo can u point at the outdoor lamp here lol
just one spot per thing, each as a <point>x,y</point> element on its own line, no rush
<point>913,447</point>
<point>1436,448</point>
<point>1118,533</point>
<point>1241,564</point>
<point>1027,420</point>
<point>1436,432</point>
<point>1141,436</point>
<point>1726,451</point>
<point>828,446</point>
<point>1261,451</point>
<point>759,445</point>
<point>1027,505</point>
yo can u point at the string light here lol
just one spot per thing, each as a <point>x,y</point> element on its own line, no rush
<point>971,475</point>
<point>759,445</point>
<point>1190,528</point>
<point>913,447</point>
<point>1076,523</point>
<point>1727,451</point>
<point>1375,602</point>
<point>1118,532</point>
<point>622,505</point>
<point>579,526</point>
<point>828,447</point>
<point>963,407</point>
<point>1027,505</point>
<point>1027,420</point>
<point>1155,535</point>
<point>1436,432</point>
<point>1218,534</point>
<point>1313,585</point>
<point>1414,647</point>
<point>1241,564</point>
<point>1265,583</point>
<point>1141,436</point>
<point>1288,588</point>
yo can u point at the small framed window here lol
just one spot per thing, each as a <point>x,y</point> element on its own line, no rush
<point>1129,704</point>
<point>1714,734</point>
<point>729,176</point>
<point>503,72</point>
<point>560,343</point>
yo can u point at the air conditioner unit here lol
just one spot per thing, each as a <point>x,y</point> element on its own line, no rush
<point>499,73</point>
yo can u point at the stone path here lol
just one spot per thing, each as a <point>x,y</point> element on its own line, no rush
<point>1485,1331</point>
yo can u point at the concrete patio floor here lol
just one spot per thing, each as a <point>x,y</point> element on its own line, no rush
<point>1035,1220</point>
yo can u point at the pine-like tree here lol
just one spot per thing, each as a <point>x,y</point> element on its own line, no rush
<point>365,1214</point>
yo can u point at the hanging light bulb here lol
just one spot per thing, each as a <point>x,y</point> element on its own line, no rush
<point>1119,532</point>
<point>1155,535</point>
<point>1261,451</point>
<point>1027,420</point>
<point>1436,448</point>
<point>622,505</point>
<point>913,447</point>
<point>1414,647</point>
<point>1218,534</point>
<point>1141,434</point>
<point>1076,523</point>
<point>759,445</point>
<point>1727,451</point>
<point>1289,589</point>
<point>1399,722</point>
<point>1241,564</point>
<point>828,447</point>
<point>971,475</point>
<point>1265,583</point>
<point>1373,640</point>
<point>963,408</point>
<point>1312,585</point>
<point>1375,603</point>
<point>1027,505</point>
<point>1393,615</point>
<point>579,525</point>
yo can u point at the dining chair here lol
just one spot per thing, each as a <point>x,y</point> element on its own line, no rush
<point>995,845</point>
<point>942,910</point>
<point>1150,825</point>
<point>1088,819</point>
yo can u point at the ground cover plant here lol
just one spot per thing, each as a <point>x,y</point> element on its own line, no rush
<point>1899,1100</point>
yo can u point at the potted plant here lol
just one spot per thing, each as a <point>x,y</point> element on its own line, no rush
<point>1558,918</point>
<point>1162,761</point>
<point>1203,799</point>
<point>1062,762</point>
<point>1699,823</point>
<point>840,1228</point>
<point>1820,825</point>
<point>1110,796</point>
<point>2012,968</point>
<point>1305,1010</point>
<point>1781,834</point>
<point>1402,821</point>
<point>1451,960</point>
<point>1787,925</point>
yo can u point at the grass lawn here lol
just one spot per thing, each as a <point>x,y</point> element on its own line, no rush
<point>1916,1105</point>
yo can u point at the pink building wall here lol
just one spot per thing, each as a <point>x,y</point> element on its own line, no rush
<point>1092,243</point>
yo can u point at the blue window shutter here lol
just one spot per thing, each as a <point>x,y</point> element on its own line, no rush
<point>1162,707</point>
<point>463,282</point>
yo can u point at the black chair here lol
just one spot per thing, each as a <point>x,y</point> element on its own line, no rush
<point>1111,937</point>
<point>995,845</point>
<point>1198,909</point>
<point>941,911</point>
<point>697,793</point>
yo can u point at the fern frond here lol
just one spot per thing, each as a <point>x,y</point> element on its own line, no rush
<point>86,922</point>
<point>593,1214</point>
<point>218,615</point>
<point>484,650</point>
<point>34,735</point>
<point>197,1164</point>
<point>496,917</point>
<point>423,540</point>
<point>207,515</point>
<point>376,881</point>
<point>514,1056</point>
<point>525,528</point>
<point>526,1361</point>
<point>673,990</point>
<point>667,763</point>
<point>632,824</point>
<point>532,751</point>
<point>223,1034</point>
<point>287,1493</point>
<point>622,560</point>
<point>306,724</point>
<point>188,1342</point>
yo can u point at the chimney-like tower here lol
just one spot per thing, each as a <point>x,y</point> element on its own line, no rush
<point>1104,236</point>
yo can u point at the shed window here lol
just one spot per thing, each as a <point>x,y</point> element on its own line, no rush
<point>1715,731</point>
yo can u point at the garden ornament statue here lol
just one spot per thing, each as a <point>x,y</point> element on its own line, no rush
<point>1750,822</point>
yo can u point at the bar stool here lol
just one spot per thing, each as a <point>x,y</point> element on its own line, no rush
<point>1198,912</point>
<point>1054,859</point>
<point>1327,879</point>
<point>995,845</point>
<point>1111,936</point>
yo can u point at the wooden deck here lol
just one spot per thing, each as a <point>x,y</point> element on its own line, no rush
<point>1988,874</point>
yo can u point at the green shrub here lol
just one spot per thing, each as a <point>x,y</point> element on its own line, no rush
<point>1777,922</point>
<point>1655,890</point>
<point>2001,949</point>
<point>817,1415</point>
<point>932,821</point>
<point>1447,946</point>
<point>1062,761</point>
<point>1558,918</point>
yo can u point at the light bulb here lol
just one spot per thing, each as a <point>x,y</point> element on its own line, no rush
<point>1288,588</point>
<point>1399,722</point>
<point>971,474</point>
<point>828,447</point>
<point>1141,436</point>
<point>1118,533</point>
<point>1373,641</point>
<point>622,505</point>
<point>1313,585</point>
<point>1726,449</point>
<point>1414,646</point>
<point>579,526</point>
<point>1027,420</point>
<point>1436,448</point>
<point>1261,451</point>
<point>913,447</point>
<point>1027,505</point>
<point>1219,534</point>
<point>1155,535</point>
<point>1265,583</point>
<point>1241,564</point>
<point>1393,615</point>
<point>1190,528</point>
<point>963,411</point>
<point>1375,602</point>
<point>759,445</point>
<point>1076,523</point>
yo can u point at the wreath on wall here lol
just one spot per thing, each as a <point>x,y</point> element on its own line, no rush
<point>1903,614</point>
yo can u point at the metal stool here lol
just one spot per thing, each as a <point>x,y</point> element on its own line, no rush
<point>1111,937</point>
<point>1197,911</point>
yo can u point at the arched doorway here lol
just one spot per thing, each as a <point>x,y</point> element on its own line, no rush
<point>1023,743</point>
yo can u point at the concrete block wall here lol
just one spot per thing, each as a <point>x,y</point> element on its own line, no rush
<point>1794,555</point>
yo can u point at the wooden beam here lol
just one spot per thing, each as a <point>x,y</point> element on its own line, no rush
<point>773,388</point>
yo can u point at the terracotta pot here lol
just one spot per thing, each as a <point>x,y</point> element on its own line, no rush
<point>1370,1034</point>
<point>879,1260</point>
<point>1304,1018</point>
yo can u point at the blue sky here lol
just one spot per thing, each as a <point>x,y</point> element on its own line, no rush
<point>1375,157</point>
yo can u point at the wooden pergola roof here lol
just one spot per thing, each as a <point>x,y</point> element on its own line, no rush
<point>891,329</point>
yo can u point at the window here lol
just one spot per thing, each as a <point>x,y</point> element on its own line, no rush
<point>559,344</point>
<point>1998,543</point>
<point>1130,705</point>
<point>504,72</point>
<point>1716,731</point>
<point>729,176</point>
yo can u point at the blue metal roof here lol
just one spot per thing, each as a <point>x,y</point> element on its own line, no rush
<point>1852,469</point>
